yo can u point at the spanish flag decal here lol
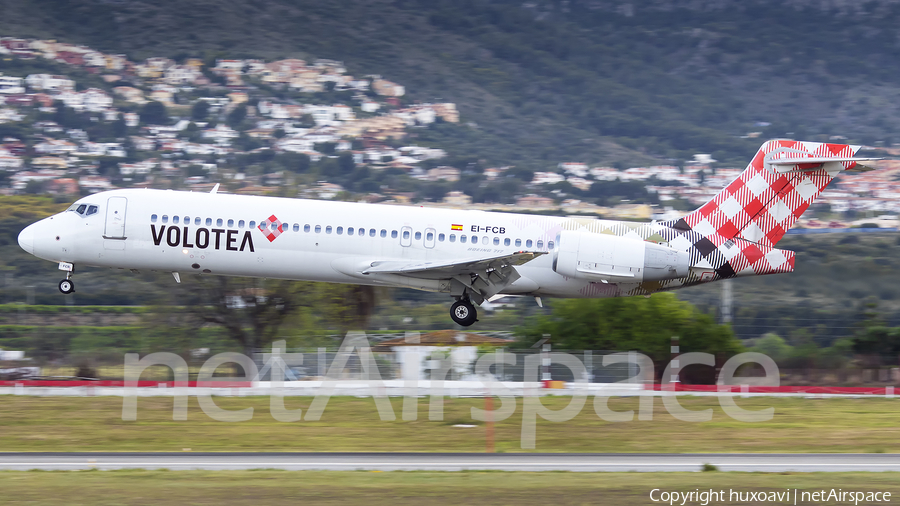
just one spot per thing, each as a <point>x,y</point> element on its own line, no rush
<point>456,227</point>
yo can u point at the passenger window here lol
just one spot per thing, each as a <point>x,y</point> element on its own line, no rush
<point>152,218</point>
<point>340,230</point>
<point>187,220</point>
<point>518,242</point>
<point>406,234</point>
<point>274,226</point>
<point>441,237</point>
<point>81,209</point>
<point>550,245</point>
<point>306,227</point>
<point>252,224</point>
<point>383,233</point>
<point>230,223</point>
<point>462,239</point>
<point>540,245</point>
<point>197,221</point>
<point>418,235</point>
<point>496,241</point>
<point>349,230</point>
<point>91,210</point>
<point>175,219</point>
<point>371,232</point>
<point>393,234</point>
<point>429,236</point>
<point>318,228</point>
<point>506,241</point>
<point>452,237</point>
<point>528,243</point>
<point>296,227</point>
<point>240,223</point>
<point>165,218</point>
<point>219,222</point>
<point>209,222</point>
<point>485,239</point>
<point>328,229</point>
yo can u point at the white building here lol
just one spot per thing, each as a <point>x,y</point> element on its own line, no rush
<point>547,178</point>
<point>10,84</point>
<point>47,82</point>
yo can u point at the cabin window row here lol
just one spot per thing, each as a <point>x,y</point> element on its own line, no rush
<point>361,231</point>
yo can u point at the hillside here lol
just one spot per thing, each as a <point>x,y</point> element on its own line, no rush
<point>549,81</point>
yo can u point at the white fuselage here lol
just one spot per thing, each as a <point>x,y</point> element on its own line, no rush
<point>208,233</point>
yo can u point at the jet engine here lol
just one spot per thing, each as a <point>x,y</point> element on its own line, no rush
<point>613,259</point>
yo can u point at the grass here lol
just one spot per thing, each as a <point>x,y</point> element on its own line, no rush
<point>353,424</point>
<point>139,487</point>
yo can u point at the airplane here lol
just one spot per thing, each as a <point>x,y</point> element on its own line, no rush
<point>471,255</point>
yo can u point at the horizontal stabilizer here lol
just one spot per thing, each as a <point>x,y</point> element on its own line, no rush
<point>817,160</point>
<point>811,163</point>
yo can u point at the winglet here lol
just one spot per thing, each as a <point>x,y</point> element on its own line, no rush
<point>215,189</point>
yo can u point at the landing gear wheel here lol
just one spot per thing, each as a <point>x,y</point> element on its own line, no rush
<point>66,286</point>
<point>463,313</point>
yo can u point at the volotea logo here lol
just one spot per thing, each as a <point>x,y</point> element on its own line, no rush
<point>271,228</point>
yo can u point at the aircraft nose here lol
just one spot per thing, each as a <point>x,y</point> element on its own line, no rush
<point>26,239</point>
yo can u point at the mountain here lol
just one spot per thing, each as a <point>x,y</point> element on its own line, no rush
<point>547,81</point>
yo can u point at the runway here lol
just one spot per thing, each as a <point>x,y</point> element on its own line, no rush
<point>589,462</point>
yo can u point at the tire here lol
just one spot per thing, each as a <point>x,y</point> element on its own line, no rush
<point>463,313</point>
<point>66,286</point>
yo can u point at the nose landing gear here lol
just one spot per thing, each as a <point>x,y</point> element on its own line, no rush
<point>463,312</point>
<point>67,286</point>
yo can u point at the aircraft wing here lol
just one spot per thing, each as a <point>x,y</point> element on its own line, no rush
<point>483,277</point>
<point>448,269</point>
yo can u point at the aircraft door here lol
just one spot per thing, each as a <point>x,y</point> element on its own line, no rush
<point>115,218</point>
<point>406,236</point>
<point>429,237</point>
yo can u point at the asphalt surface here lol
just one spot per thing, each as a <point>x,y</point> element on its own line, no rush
<point>826,462</point>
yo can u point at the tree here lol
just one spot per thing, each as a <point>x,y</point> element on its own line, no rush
<point>237,115</point>
<point>200,110</point>
<point>774,347</point>
<point>646,325</point>
<point>154,113</point>
<point>119,127</point>
<point>326,148</point>
<point>346,163</point>
<point>66,116</point>
<point>253,311</point>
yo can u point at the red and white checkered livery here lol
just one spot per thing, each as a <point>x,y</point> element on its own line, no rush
<point>271,228</point>
<point>764,201</point>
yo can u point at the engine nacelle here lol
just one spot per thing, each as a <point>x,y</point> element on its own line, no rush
<point>615,259</point>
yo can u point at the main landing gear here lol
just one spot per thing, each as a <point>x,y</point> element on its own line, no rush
<point>463,312</point>
<point>67,286</point>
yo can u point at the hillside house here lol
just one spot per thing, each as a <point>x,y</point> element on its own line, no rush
<point>11,84</point>
<point>48,82</point>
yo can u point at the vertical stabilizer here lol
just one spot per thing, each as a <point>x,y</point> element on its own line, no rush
<point>766,200</point>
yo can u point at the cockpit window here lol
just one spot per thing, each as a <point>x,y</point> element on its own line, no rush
<point>83,209</point>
